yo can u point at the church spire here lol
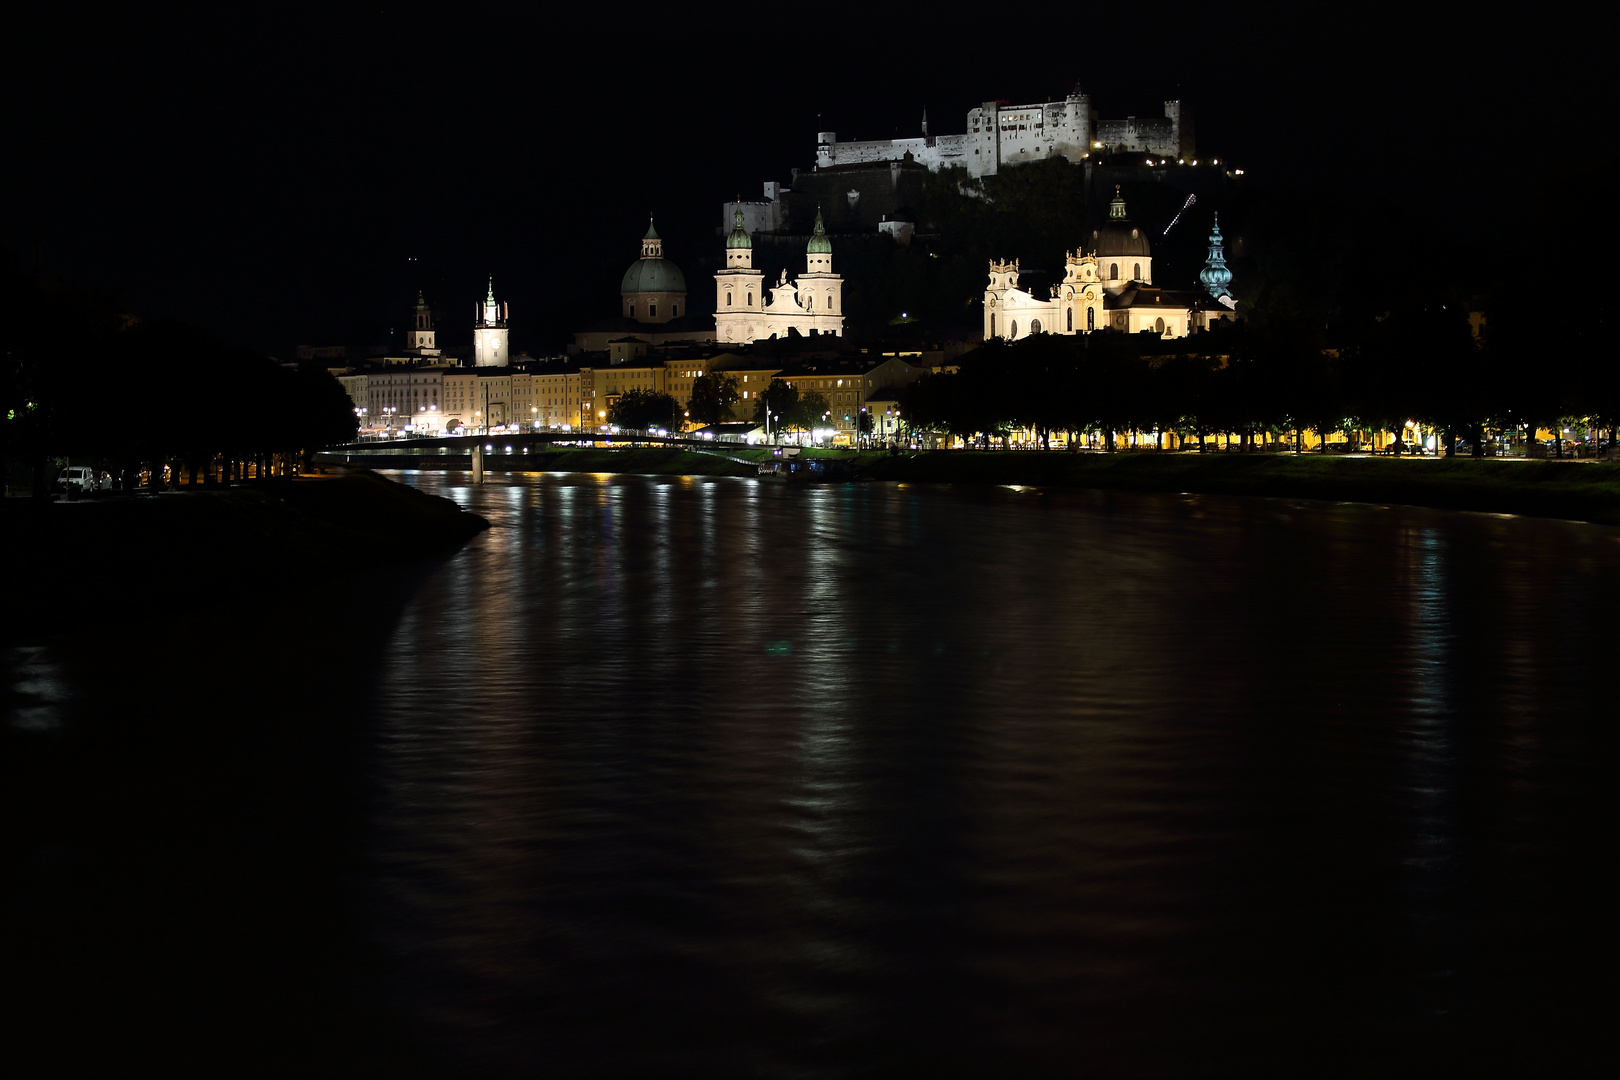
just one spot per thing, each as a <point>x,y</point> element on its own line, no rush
<point>652,246</point>
<point>738,238</point>
<point>1215,276</point>
<point>819,244</point>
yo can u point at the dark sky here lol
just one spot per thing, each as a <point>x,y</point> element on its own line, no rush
<point>293,176</point>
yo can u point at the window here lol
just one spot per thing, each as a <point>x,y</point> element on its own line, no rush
<point>829,301</point>
<point>1071,320</point>
<point>632,311</point>
<point>1113,271</point>
<point>992,324</point>
<point>652,311</point>
<point>750,299</point>
<point>674,311</point>
<point>728,299</point>
<point>1158,325</point>
<point>1012,329</point>
<point>1138,275</point>
<point>1091,319</point>
<point>1035,326</point>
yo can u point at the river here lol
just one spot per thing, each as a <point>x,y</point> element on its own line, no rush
<point>704,776</point>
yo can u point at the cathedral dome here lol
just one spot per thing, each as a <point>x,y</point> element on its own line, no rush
<point>1119,237</point>
<point>653,275</point>
<point>652,272</point>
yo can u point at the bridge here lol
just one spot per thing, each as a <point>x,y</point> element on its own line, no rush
<point>495,451</point>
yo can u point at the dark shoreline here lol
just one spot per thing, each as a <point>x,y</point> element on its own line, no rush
<point>104,556</point>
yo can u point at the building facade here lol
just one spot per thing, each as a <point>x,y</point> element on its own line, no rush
<point>1108,287</point>
<point>811,305</point>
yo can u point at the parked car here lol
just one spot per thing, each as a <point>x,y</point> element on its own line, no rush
<point>82,478</point>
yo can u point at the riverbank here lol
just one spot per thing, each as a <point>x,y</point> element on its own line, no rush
<point>83,558</point>
<point>1574,490</point>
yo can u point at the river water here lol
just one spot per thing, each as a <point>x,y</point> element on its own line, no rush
<point>703,776</point>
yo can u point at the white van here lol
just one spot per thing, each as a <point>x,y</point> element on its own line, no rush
<point>82,478</point>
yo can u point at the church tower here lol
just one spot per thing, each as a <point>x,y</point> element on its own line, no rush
<point>489,332</point>
<point>739,293</point>
<point>1215,276</point>
<point>420,338</point>
<point>821,291</point>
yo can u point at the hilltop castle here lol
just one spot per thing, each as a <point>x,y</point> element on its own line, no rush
<point>1000,135</point>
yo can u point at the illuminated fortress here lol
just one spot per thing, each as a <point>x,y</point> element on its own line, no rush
<point>999,135</point>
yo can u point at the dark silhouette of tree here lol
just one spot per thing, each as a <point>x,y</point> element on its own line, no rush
<point>776,406</point>
<point>643,410</point>
<point>713,396</point>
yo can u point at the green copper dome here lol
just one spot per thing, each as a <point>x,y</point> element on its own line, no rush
<point>653,275</point>
<point>819,244</point>
<point>738,237</point>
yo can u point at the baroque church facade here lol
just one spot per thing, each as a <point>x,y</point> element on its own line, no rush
<point>1108,287</point>
<point>811,304</point>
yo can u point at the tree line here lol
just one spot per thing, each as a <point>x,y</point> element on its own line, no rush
<point>85,383</point>
<point>1281,378</point>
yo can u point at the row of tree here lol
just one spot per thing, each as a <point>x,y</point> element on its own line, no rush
<point>84,383</point>
<point>1424,364</point>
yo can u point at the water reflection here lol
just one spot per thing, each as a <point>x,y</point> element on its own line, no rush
<point>665,775</point>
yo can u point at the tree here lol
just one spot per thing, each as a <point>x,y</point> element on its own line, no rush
<point>713,396</point>
<point>812,411</point>
<point>776,405</point>
<point>642,410</point>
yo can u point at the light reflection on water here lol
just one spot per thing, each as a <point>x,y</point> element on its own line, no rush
<point>854,777</point>
<point>684,775</point>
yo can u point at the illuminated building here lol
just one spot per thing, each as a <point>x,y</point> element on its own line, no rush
<point>1109,286</point>
<point>812,304</point>
<point>998,135</point>
<point>490,347</point>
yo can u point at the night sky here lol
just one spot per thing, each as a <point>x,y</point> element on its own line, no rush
<point>288,178</point>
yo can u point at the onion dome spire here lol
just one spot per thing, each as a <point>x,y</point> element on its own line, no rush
<point>738,237</point>
<point>819,244</point>
<point>489,298</point>
<point>1215,276</point>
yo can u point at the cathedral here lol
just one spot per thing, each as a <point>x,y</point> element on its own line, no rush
<point>1109,286</point>
<point>811,304</point>
<point>652,305</point>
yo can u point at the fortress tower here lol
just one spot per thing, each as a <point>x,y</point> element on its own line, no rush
<point>489,332</point>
